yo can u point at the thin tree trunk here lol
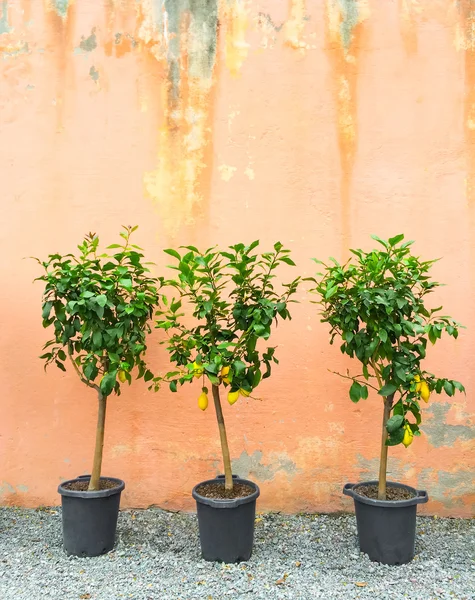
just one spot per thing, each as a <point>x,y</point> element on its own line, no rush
<point>97,465</point>
<point>383,463</point>
<point>228,474</point>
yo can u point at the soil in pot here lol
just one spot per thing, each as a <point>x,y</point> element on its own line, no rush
<point>392,492</point>
<point>83,485</point>
<point>217,491</point>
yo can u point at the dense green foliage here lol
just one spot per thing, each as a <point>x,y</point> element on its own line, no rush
<point>376,306</point>
<point>234,304</point>
<point>99,307</point>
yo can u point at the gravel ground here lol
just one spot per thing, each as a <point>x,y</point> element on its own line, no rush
<point>157,557</point>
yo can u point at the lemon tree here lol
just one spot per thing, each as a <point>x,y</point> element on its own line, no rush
<point>234,305</point>
<point>375,305</point>
<point>99,307</point>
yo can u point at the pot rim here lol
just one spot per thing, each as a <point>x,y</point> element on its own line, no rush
<point>420,496</point>
<point>226,502</point>
<point>90,495</point>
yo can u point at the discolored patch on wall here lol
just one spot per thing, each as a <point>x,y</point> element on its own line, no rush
<point>60,24</point>
<point>369,468</point>
<point>465,42</point>
<point>4,25</point>
<point>184,35</point>
<point>237,22</point>
<point>87,44</point>
<point>345,19</point>
<point>453,488</point>
<point>295,24</point>
<point>408,13</point>
<point>251,466</point>
<point>440,433</point>
<point>61,7</point>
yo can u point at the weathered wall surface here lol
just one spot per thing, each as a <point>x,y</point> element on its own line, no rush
<point>315,122</point>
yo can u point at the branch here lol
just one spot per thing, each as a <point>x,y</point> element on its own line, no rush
<point>354,378</point>
<point>88,383</point>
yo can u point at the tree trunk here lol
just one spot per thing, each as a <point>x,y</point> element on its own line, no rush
<point>228,474</point>
<point>97,465</point>
<point>383,463</point>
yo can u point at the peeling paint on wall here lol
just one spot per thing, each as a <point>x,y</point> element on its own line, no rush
<point>295,25</point>
<point>188,42</point>
<point>4,26</point>
<point>251,466</point>
<point>440,433</point>
<point>465,41</point>
<point>237,22</point>
<point>61,7</point>
<point>88,44</point>
<point>343,32</point>
<point>94,73</point>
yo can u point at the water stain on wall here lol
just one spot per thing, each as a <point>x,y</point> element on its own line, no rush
<point>237,21</point>
<point>465,41</point>
<point>408,11</point>
<point>4,25</point>
<point>344,32</point>
<point>295,25</point>
<point>185,35</point>
<point>60,20</point>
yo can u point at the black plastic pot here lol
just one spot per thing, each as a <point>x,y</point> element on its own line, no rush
<point>386,529</point>
<point>226,526</point>
<point>90,518</point>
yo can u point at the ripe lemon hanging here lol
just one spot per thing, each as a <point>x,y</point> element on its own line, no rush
<point>425,391</point>
<point>408,436</point>
<point>417,379</point>
<point>224,375</point>
<point>233,397</point>
<point>122,376</point>
<point>197,370</point>
<point>203,401</point>
<point>244,393</point>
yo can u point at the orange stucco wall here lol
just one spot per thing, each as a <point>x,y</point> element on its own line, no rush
<point>315,122</point>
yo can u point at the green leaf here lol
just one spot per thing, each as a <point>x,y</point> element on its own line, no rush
<point>383,335</point>
<point>173,253</point>
<point>46,310</point>
<point>172,386</point>
<point>396,239</point>
<point>395,422</point>
<point>355,391</point>
<point>448,388</point>
<point>97,339</point>
<point>101,300</point>
<point>395,437</point>
<point>388,389</point>
<point>108,383</point>
<point>287,260</point>
<point>126,283</point>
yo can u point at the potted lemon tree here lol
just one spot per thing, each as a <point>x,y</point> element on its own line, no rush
<point>99,307</point>
<point>234,304</point>
<point>375,304</point>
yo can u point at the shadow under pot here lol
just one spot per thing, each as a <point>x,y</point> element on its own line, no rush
<point>89,518</point>
<point>386,528</point>
<point>226,525</point>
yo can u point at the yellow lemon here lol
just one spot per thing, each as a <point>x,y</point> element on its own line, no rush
<point>425,391</point>
<point>197,370</point>
<point>408,436</point>
<point>244,393</point>
<point>122,377</point>
<point>233,397</point>
<point>203,401</point>
<point>224,374</point>
<point>417,379</point>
